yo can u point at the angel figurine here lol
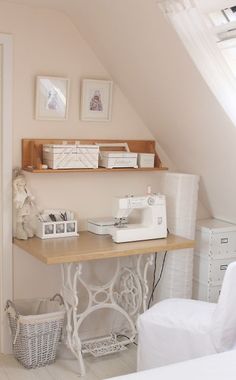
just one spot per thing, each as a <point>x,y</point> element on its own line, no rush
<point>23,207</point>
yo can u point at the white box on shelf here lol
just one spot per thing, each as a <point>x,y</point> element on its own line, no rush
<point>216,238</point>
<point>206,292</point>
<point>51,230</point>
<point>70,156</point>
<point>146,160</point>
<point>118,159</point>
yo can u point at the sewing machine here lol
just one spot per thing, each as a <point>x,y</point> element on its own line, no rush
<point>152,224</point>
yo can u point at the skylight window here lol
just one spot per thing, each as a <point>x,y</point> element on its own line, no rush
<point>224,16</point>
<point>224,29</point>
<point>228,49</point>
<point>230,13</point>
<point>210,39</point>
<point>223,23</point>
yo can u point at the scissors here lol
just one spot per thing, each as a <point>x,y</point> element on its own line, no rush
<point>63,216</point>
<point>52,217</point>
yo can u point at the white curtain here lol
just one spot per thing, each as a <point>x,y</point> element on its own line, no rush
<point>200,43</point>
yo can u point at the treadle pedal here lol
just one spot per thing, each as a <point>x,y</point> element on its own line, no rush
<point>103,346</point>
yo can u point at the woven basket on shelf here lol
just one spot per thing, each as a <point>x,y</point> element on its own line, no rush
<point>35,337</point>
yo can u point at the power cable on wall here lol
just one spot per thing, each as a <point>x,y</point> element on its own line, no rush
<point>155,283</point>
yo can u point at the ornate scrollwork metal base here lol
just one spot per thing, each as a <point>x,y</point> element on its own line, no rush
<point>126,293</point>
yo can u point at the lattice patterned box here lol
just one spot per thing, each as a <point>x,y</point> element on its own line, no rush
<point>70,156</point>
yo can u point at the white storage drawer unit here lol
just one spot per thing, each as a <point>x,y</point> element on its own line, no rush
<point>216,238</point>
<point>210,270</point>
<point>206,292</point>
<point>215,250</point>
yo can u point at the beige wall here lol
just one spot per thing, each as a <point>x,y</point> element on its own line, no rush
<point>46,43</point>
<point>164,86</point>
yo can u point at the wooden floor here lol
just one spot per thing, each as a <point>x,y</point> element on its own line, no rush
<point>66,368</point>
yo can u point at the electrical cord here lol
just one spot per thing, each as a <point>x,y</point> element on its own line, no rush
<point>154,285</point>
<point>154,277</point>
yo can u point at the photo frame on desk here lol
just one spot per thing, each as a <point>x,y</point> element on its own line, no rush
<point>96,100</point>
<point>51,98</point>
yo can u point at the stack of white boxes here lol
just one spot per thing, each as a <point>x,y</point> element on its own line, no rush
<point>215,250</point>
<point>181,191</point>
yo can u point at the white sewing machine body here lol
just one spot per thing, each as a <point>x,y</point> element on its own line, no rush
<point>152,224</point>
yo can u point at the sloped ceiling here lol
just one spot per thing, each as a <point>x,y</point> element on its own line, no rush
<point>144,56</point>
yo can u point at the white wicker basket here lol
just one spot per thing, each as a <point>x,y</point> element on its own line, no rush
<point>35,337</point>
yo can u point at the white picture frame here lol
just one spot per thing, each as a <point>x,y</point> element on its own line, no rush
<point>51,98</point>
<point>96,100</point>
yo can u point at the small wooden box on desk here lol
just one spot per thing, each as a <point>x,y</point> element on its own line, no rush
<point>32,154</point>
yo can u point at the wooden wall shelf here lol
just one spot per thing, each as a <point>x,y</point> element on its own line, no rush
<point>32,157</point>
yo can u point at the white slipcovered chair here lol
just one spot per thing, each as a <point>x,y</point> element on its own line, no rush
<point>175,330</point>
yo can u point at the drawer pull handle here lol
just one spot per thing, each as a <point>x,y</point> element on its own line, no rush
<point>223,267</point>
